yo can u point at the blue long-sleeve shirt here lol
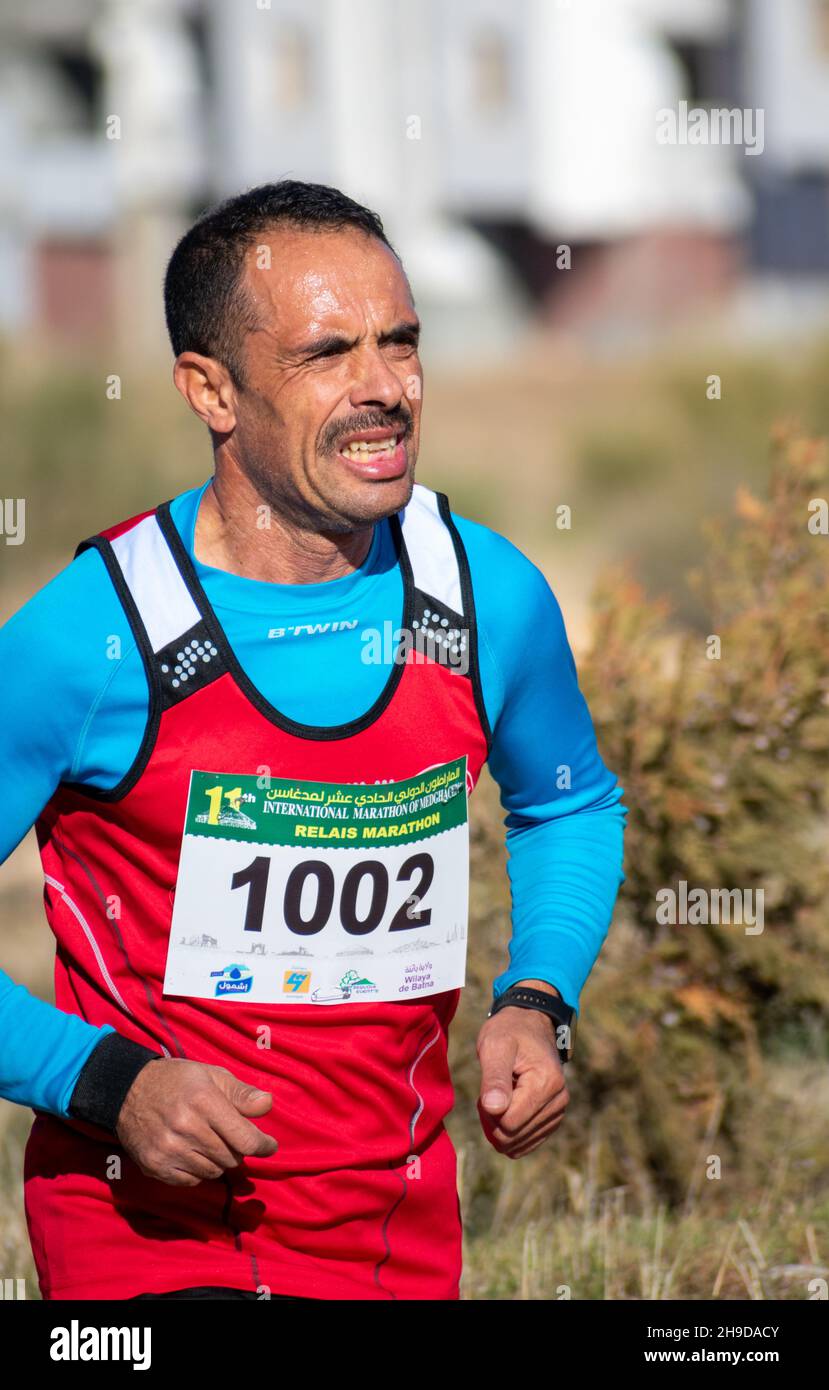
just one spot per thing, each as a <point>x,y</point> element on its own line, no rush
<point>75,713</point>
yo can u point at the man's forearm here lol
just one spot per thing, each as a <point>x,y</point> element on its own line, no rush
<point>564,876</point>
<point>543,985</point>
<point>42,1049</point>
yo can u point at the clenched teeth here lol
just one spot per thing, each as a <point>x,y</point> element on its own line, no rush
<point>364,448</point>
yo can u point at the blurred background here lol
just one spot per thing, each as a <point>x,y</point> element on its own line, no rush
<point>629,326</point>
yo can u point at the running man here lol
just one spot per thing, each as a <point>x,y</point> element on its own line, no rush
<point>246,724</point>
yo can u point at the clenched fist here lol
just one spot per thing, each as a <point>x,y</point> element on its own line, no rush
<point>185,1121</point>
<point>523,1095</point>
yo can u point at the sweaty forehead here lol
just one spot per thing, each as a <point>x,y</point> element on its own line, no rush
<point>301,280</point>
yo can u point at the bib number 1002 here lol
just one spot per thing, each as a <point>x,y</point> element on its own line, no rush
<point>318,877</point>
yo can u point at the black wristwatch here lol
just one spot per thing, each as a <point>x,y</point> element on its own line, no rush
<point>562,1015</point>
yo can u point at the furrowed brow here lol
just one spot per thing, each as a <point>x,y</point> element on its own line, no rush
<point>407,331</point>
<point>329,342</point>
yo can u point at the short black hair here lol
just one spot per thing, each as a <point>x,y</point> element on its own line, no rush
<point>205,303</point>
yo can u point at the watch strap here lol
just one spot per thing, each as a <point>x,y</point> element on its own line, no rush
<point>560,1013</point>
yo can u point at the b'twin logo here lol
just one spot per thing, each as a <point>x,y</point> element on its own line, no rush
<point>313,629</point>
<point>76,1343</point>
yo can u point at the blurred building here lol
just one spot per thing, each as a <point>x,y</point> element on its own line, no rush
<point>512,151</point>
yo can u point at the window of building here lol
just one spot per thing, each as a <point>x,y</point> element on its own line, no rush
<point>711,70</point>
<point>821,26</point>
<point>293,68</point>
<point>491,71</point>
<point>78,79</point>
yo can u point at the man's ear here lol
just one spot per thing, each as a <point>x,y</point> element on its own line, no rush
<point>207,387</point>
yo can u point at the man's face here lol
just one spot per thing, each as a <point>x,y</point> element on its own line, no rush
<point>328,422</point>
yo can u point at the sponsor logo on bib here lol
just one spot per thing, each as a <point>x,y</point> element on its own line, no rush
<point>234,979</point>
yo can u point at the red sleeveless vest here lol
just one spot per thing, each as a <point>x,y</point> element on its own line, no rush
<point>360,1201</point>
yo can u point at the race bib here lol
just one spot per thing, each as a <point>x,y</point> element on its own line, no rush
<point>321,892</point>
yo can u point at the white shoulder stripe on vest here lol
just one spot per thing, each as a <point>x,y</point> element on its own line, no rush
<point>167,608</point>
<point>152,577</point>
<point>431,551</point>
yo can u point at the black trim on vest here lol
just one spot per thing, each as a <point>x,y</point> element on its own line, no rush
<point>470,618</point>
<point>215,631</point>
<point>139,632</point>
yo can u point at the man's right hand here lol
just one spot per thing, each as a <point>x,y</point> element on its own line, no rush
<point>185,1121</point>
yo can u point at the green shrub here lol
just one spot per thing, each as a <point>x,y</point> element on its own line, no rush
<point>725,769</point>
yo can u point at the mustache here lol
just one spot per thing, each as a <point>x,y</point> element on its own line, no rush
<point>395,421</point>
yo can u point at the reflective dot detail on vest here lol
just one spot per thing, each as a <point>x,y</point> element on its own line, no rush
<point>439,633</point>
<point>187,664</point>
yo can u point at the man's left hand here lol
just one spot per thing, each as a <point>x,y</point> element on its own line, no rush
<point>523,1092</point>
